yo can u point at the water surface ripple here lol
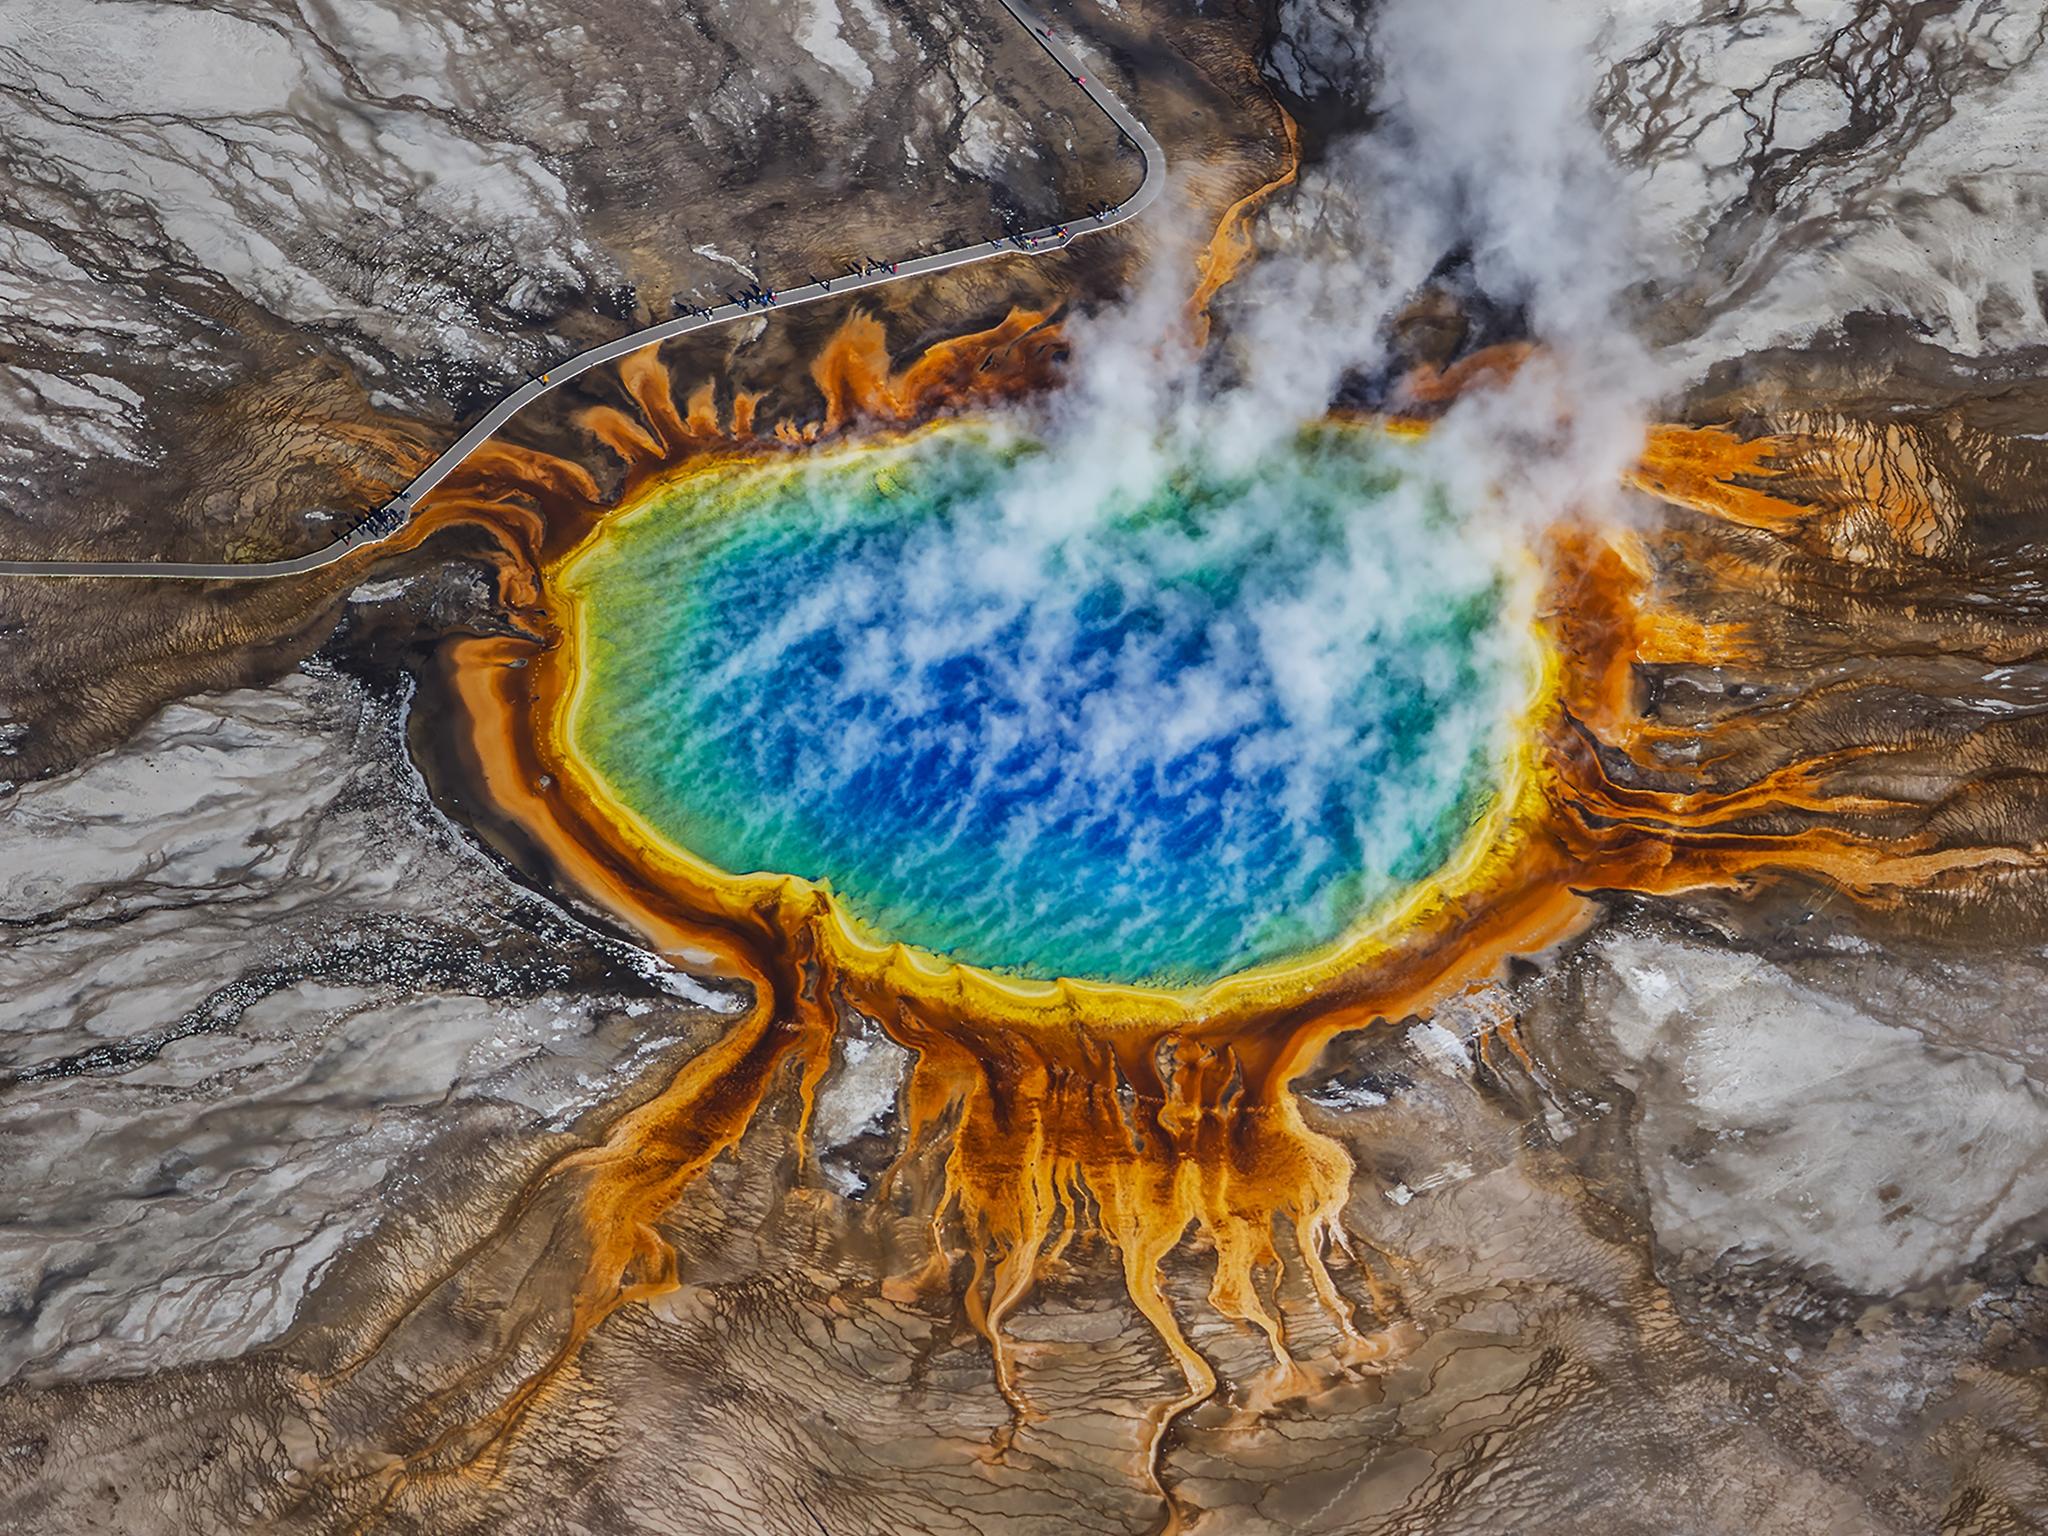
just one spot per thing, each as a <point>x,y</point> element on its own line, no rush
<point>1154,732</point>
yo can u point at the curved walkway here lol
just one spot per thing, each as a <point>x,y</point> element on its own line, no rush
<point>397,512</point>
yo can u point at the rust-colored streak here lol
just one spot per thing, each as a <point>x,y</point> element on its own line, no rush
<point>629,439</point>
<point>1428,385</point>
<point>647,381</point>
<point>1005,360</point>
<point>1865,494</point>
<point>1711,470</point>
<point>498,462</point>
<point>852,370</point>
<point>1230,246</point>
<point>701,422</point>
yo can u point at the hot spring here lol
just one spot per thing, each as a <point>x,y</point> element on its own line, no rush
<point>1155,723</point>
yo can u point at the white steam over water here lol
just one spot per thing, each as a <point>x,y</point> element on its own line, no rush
<point>1485,143</point>
<point>1213,721</point>
<point>1126,666</point>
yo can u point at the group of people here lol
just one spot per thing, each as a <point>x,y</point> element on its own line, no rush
<point>760,296</point>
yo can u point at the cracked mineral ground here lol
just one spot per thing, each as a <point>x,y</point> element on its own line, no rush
<point>1364,854</point>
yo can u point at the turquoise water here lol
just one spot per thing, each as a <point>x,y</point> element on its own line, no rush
<point>1154,723</point>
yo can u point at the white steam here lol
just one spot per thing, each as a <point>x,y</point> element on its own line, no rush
<point>1484,146</point>
<point>1018,719</point>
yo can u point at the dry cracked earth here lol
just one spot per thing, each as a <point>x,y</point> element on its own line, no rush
<point>1745,1235</point>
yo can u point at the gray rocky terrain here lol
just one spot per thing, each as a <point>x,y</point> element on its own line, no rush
<point>253,977</point>
<point>218,212</point>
